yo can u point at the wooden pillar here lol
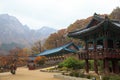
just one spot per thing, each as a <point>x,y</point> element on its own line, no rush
<point>95,45</point>
<point>79,56</point>
<point>96,66</point>
<point>86,45</point>
<point>105,44</point>
<point>86,48</point>
<point>95,55</point>
<point>87,66</point>
<point>114,44</point>
<point>63,57</point>
<point>86,59</point>
<point>106,66</point>
<point>115,66</point>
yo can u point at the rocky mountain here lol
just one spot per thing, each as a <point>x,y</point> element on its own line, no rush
<point>43,32</point>
<point>14,33</point>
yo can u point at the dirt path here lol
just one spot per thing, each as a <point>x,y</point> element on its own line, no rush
<point>25,74</point>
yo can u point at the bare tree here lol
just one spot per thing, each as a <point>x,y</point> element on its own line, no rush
<point>37,47</point>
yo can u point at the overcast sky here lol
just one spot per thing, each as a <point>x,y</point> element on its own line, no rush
<point>55,13</point>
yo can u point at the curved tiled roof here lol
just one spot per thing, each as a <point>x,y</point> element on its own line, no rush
<point>89,28</point>
<point>59,49</point>
<point>72,34</point>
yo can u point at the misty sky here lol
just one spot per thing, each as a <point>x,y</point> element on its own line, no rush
<point>55,13</point>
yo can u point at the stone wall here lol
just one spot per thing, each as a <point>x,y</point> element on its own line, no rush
<point>63,77</point>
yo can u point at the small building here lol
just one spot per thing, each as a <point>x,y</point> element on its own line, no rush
<point>56,55</point>
<point>102,42</point>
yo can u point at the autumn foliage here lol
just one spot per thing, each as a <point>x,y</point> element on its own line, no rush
<point>40,60</point>
<point>115,14</point>
<point>60,38</point>
<point>17,55</point>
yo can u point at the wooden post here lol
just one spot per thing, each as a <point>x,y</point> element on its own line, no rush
<point>105,44</point>
<point>114,44</point>
<point>95,66</point>
<point>95,54</point>
<point>115,66</point>
<point>86,59</point>
<point>87,66</point>
<point>86,48</point>
<point>95,45</point>
<point>106,66</point>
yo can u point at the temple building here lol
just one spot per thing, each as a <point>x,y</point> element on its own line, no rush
<point>57,55</point>
<point>102,42</point>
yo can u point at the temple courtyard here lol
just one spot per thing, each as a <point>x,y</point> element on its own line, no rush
<point>24,74</point>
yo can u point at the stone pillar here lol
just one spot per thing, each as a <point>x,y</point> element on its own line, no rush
<point>87,66</point>
<point>96,66</point>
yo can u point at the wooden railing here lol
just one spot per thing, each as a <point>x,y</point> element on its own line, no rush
<point>100,54</point>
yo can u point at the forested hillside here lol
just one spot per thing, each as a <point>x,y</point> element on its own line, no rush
<point>115,14</point>
<point>60,38</point>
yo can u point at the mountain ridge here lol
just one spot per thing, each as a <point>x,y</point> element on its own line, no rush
<point>13,31</point>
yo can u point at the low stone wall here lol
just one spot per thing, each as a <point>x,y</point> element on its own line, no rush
<point>63,77</point>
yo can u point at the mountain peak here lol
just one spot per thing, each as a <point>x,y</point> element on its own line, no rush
<point>45,28</point>
<point>13,31</point>
<point>4,15</point>
<point>7,16</point>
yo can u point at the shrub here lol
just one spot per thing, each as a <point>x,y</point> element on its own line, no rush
<point>71,74</point>
<point>63,73</point>
<point>76,74</point>
<point>64,69</point>
<point>60,65</point>
<point>82,64</point>
<point>81,75</point>
<point>100,66</point>
<point>40,60</point>
<point>88,76</point>
<point>72,63</point>
<point>111,77</point>
<point>91,62</point>
<point>105,78</point>
<point>115,77</point>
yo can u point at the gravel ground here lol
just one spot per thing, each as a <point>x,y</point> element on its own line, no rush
<point>25,74</point>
